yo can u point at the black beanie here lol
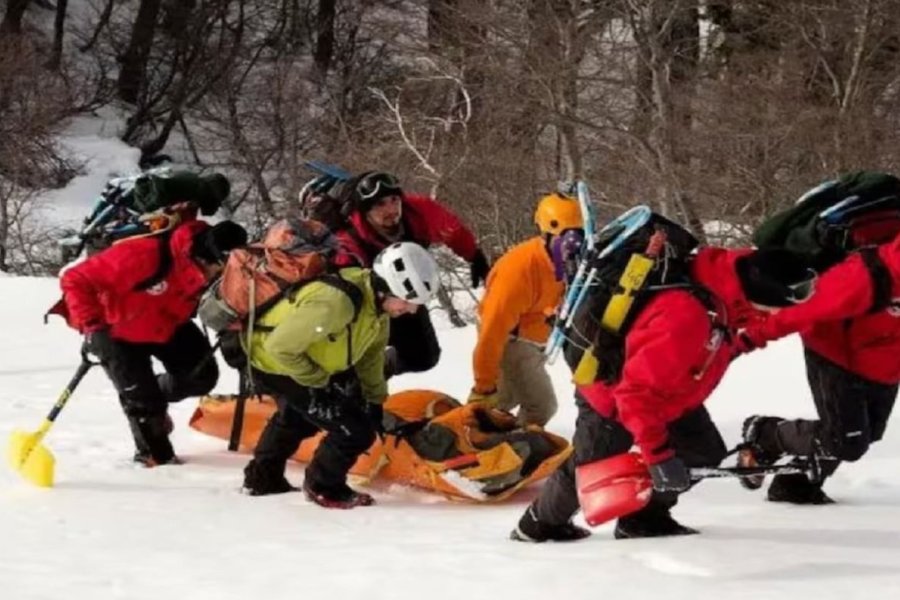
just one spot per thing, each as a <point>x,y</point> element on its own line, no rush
<point>775,277</point>
<point>214,190</point>
<point>213,243</point>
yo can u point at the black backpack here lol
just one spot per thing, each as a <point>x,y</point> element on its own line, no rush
<point>653,259</point>
<point>836,218</point>
<point>328,198</point>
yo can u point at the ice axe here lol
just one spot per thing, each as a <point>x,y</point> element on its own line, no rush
<point>26,453</point>
<point>620,485</point>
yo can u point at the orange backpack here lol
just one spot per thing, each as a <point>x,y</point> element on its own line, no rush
<point>292,253</point>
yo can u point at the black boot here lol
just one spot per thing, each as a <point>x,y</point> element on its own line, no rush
<point>644,524</point>
<point>151,439</point>
<point>797,489</point>
<point>265,478</point>
<point>532,530</point>
<point>339,496</point>
<point>760,448</point>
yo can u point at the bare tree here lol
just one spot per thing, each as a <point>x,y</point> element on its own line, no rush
<point>134,61</point>
<point>58,32</point>
<point>324,50</point>
<point>12,19</point>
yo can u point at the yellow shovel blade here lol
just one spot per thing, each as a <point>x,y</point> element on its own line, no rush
<point>30,458</point>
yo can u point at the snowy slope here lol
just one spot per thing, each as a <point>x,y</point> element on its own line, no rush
<point>92,143</point>
<point>111,530</point>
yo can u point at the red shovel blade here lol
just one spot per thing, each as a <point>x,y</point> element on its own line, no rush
<point>613,487</point>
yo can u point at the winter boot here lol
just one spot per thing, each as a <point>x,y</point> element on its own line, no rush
<point>151,439</point>
<point>264,479</point>
<point>759,448</point>
<point>797,489</point>
<point>532,530</point>
<point>341,496</point>
<point>148,461</point>
<point>656,524</point>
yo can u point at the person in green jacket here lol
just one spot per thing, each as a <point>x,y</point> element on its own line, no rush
<point>320,354</point>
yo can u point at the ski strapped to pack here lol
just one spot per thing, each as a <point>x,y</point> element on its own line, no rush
<point>327,176</point>
<point>620,229</point>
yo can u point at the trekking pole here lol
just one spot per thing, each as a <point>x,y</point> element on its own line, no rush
<point>237,423</point>
<point>26,453</point>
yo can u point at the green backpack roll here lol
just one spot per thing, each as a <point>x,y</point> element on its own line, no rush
<point>153,192</point>
<point>835,218</point>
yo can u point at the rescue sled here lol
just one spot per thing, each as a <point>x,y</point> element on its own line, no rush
<point>465,452</point>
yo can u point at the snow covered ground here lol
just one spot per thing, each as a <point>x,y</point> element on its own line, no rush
<point>112,530</point>
<point>92,142</point>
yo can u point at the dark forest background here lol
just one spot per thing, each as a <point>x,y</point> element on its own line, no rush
<point>715,112</point>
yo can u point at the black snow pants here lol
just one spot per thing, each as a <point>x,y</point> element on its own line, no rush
<point>144,396</point>
<point>414,342</point>
<point>853,413</point>
<point>338,409</point>
<point>693,436</point>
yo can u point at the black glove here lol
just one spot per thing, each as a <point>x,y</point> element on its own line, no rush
<point>479,268</point>
<point>344,387</point>
<point>670,476</point>
<point>375,412</point>
<point>100,344</point>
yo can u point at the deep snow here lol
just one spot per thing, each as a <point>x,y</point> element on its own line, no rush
<point>112,530</point>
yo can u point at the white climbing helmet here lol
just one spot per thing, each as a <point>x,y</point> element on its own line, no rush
<point>409,271</point>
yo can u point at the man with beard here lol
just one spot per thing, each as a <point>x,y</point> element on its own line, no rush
<point>383,214</point>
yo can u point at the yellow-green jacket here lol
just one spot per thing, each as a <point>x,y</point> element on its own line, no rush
<point>311,335</point>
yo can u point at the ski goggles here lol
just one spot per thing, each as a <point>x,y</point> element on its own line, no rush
<point>377,185</point>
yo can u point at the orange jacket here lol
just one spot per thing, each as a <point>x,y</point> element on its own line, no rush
<point>520,296</point>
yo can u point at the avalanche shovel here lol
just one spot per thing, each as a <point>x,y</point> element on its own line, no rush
<point>26,454</point>
<point>620,485</point>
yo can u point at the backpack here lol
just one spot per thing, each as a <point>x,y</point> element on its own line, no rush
<point>144,205</point>
<point>328,198</point>
<point>654,258</point>
<point>836,218</point>
<point>293,253</point>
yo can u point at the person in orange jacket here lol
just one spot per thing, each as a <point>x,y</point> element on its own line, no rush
<point>522,293</point>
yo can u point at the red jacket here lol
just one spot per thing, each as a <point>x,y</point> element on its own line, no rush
<point>425,222</point>
<point>836,324</point>
<point>100,291</point>
<point>675,355</point>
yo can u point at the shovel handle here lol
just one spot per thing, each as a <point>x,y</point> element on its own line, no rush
<point>82,370</point>
<point>698,473</point>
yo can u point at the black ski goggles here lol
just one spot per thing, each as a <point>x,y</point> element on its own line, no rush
<point>802,291</point>
<point>377,185</point>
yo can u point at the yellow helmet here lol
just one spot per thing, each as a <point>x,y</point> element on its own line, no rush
<point>556,213</point>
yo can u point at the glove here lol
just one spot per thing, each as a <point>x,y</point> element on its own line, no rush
<point>479,268</point>
<point>375,412</point>
<point>670,476</point>
<point>489,399</point>
<point>100,344</point>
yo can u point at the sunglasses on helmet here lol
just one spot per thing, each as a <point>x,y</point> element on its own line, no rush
<point>377,184</point>
<point>802,291</point>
